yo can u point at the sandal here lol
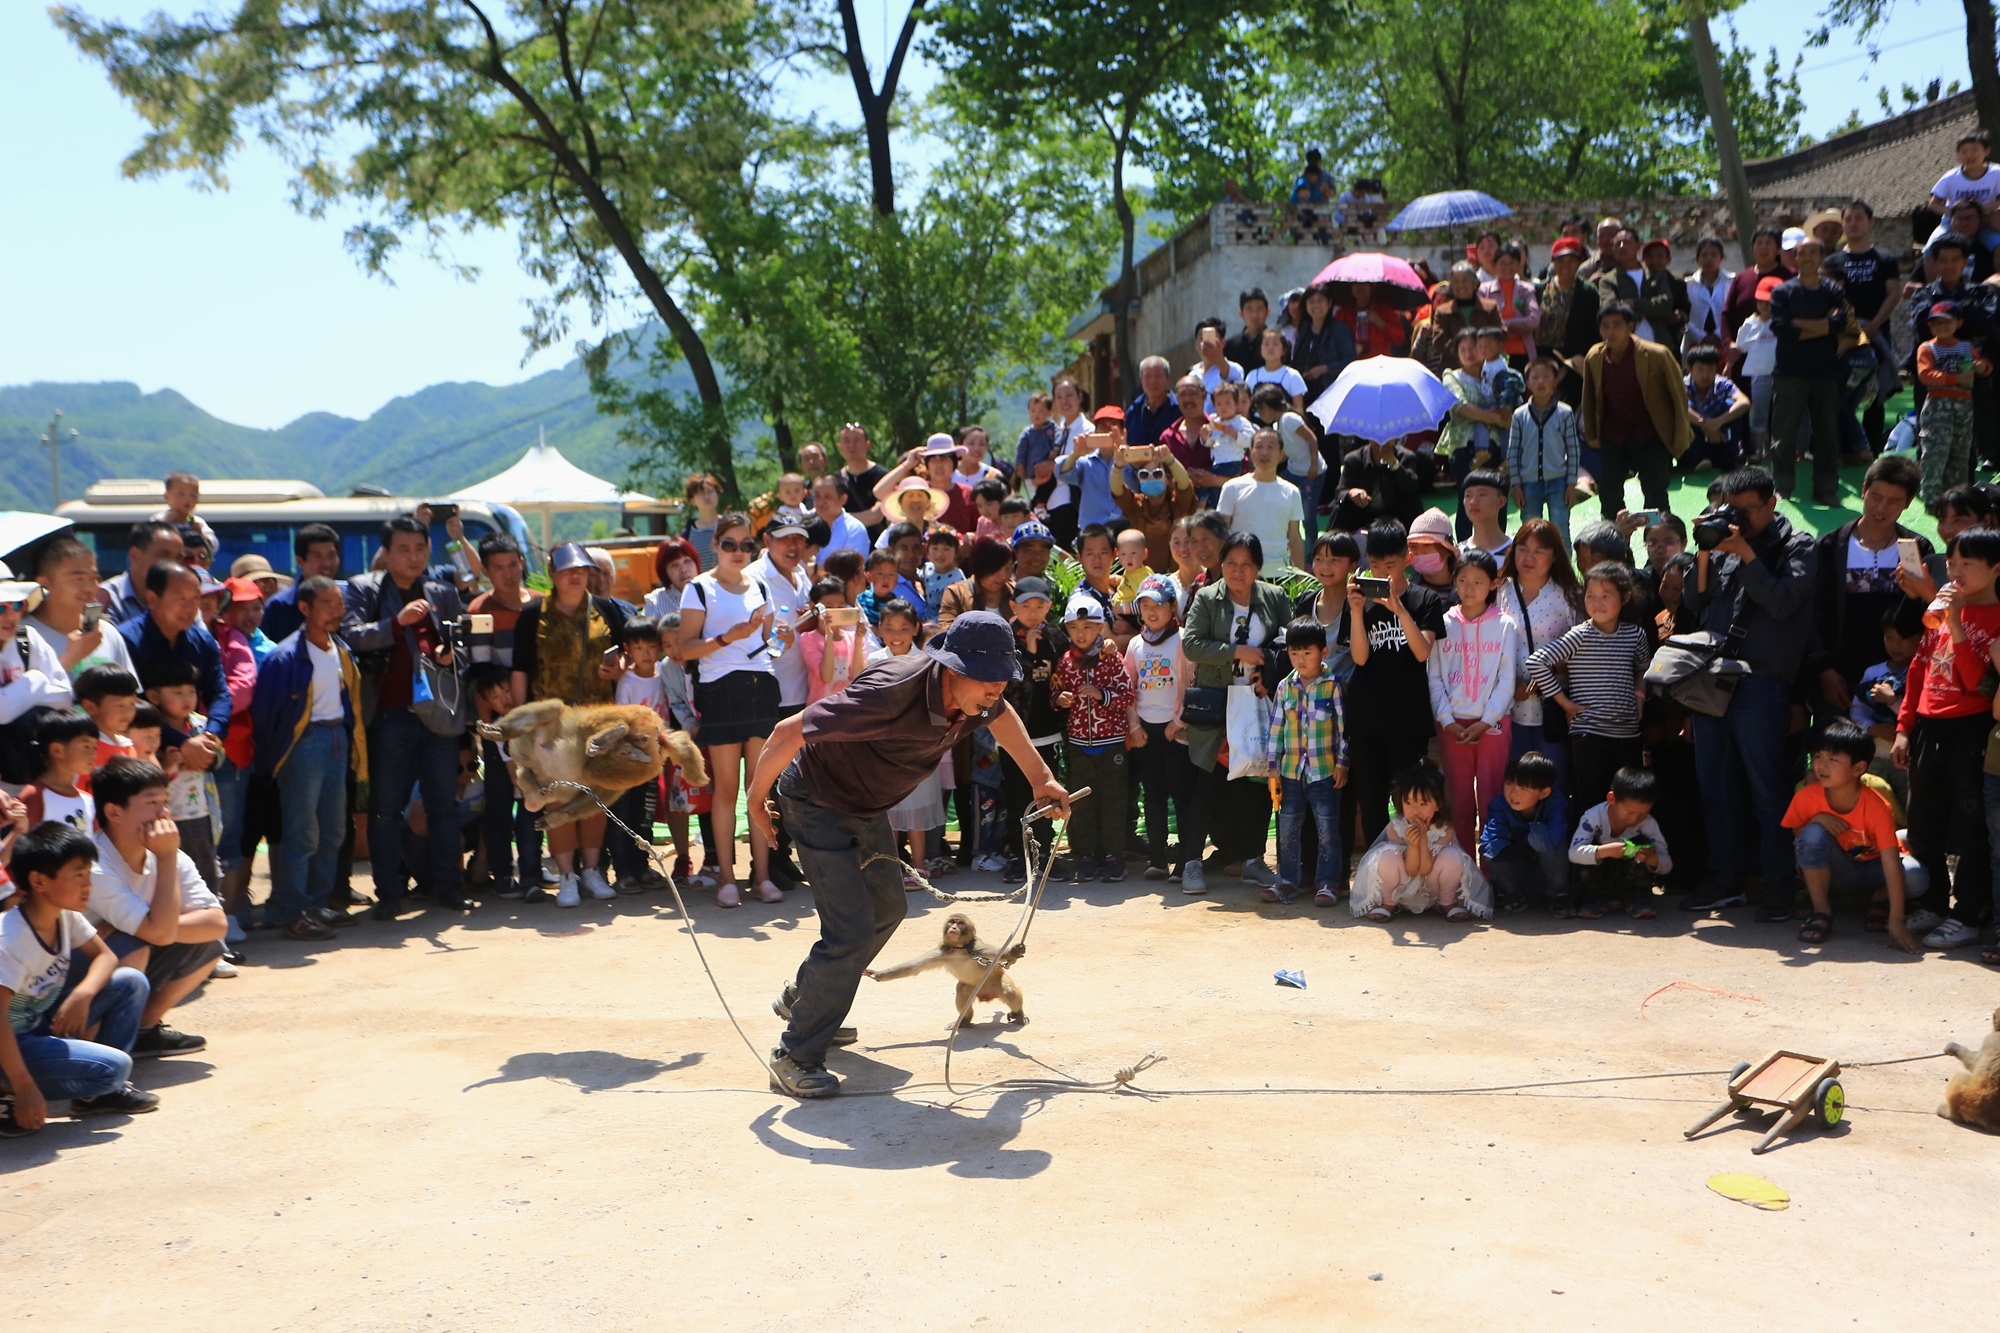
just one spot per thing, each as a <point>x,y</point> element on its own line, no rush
<point>1817,928</point>
<point>1378,914</point>
<point>1641,910</point>
<point>1877,920</point>
<point>1326,897</point>
<point>1591,912</point>
<point>727,896</point>
<point>911,884</point>
<point>770,892</point>
<point>1990,954</point>
<point>1562,907</point>
<point>1458,912</point>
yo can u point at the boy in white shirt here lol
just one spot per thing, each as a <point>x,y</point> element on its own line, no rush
<point>58,980</point>
<point>1267,505</point>
<point>1759,345</point>
<point>158,915</point>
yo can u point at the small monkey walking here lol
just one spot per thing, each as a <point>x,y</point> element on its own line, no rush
<point>1973,1098</point>
<point>960,953</point>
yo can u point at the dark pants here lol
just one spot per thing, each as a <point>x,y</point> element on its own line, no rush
<point>404,755</point>
<point>1795,400</point>
<point>630,858</point>
<point>343,866</point>
<point>781,855</point>
<point>1531,871</point>
<point>1165,777</point>
<point>1019,794</point>
<point>1624,880</point>
<point>1648,458</point>
<point>1372,765</point>
<point>1062,525</point>
<point>1238,810</point>
<point>1948,810</point>
<point>857,887</point>
<point>1322,799</point>
<point>509,825</point>
<point>1597,758</point>
<point>1743,768</point>
<point>1097,822</point>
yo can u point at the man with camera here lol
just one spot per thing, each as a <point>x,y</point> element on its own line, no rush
<point>392,615</point>
<point>1753,590</point>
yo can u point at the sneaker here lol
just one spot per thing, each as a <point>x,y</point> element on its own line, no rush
<point>535,894</point>
<point>1193,878</point>
<point>385,909</point>
<point>1713,898</point>
<point>1015,871</point>
<point>707,877</point>
<point>1951,934</point>
<point>591,881</point>
<point>127,1100</point>
<point>1083,870</point>
<point>1777,906</point>
<point>1111,870</point>
<point>513,888</point>
<point>566,893</point>
<point>1922,922</point>
<point>804,1081</point>
<point>235,934</point>
<point>1174,873</point>
<point>160,1039</point>
<point>1256,872</point>
<point>1156,872</point>
<point>10,1128</point>
<point>305,928</point>
<point>332,917</point>
<point>224,968</point>
<point>991,862</point>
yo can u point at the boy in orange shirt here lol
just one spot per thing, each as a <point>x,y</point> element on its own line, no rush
<point>1840,832</point>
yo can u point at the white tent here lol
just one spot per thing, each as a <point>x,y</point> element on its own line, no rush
<point>547,483</point>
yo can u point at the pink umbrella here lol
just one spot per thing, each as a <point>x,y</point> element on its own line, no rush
<point>1395,281</point>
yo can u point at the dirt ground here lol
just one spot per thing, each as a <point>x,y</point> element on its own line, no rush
<point>539,1118</point>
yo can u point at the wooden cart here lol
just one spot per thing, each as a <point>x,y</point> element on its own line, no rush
<point>1797,1085</point>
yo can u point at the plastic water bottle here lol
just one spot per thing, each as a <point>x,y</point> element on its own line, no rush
<point>1934,613</point>
<point>458,561</point>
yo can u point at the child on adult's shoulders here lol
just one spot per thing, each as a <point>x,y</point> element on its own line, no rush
<point>1621,849</point>
<point>1841,829</point>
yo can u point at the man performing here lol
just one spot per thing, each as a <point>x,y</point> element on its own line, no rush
<point>839,767</point>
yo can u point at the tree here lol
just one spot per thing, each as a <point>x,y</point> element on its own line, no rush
<point>578,123</point>
<point>1103,69</point>
<point>1980,56</point>
<point>877,103</point>
<point>1252,131</point>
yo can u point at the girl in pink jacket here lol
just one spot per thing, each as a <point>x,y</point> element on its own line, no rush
<point>1472,691</point>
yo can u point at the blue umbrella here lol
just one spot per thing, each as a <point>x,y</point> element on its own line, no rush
<point>1451,208</point>
<point>1381,398</point>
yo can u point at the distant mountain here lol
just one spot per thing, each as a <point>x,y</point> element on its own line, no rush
<point>428,443</point>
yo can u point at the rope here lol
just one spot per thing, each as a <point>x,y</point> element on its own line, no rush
<point>1125,1078</point>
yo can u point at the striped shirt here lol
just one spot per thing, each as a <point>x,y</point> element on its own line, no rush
<point>1307,741</point>
<point>1598,670</point>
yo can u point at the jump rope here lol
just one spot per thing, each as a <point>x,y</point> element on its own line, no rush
<point>1123,1079</point>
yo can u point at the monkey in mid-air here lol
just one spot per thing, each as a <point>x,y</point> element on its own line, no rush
<point>1973,1098</point>
<point>961,953</point>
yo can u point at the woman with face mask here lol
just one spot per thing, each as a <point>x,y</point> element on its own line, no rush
<point>1153,491</point>
<point>1434,555</point>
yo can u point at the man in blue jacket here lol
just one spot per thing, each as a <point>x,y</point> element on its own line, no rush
<point>172,630</point>
<point>305,715</point>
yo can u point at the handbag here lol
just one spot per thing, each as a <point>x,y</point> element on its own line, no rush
<point>437,695</point>
<point>1697,671</point>
<point>1555,722</point>
<point>1205,705</point>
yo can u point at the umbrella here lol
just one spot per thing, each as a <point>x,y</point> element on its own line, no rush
<point>1395,281</point>
<point>1451,208</point>
<point>1382,398</point>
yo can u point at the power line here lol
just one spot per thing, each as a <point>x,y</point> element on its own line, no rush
<point>433,456</point>
<point>1876,51</point>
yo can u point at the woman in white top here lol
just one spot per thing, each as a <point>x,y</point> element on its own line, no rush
<point>1708,292</point>
<point>727,639</point>
<point>1539,577</point>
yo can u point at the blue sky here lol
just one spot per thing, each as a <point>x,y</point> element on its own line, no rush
<point>258,314</point>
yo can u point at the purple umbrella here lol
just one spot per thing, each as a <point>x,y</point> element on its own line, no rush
<point>1395,282</point>
<point>1383,398</point>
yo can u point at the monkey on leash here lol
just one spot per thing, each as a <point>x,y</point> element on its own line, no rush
<point>961,953</point>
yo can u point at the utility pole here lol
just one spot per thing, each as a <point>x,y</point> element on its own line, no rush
<point>54,440</point>
<point>1735,185</point>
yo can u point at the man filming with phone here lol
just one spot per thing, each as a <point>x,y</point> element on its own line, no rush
<point>1087,468</point>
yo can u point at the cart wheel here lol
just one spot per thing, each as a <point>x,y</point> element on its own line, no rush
<point>1737,1072</point>
<point>1829,1102</point>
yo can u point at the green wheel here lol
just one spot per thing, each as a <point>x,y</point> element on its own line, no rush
<point>1829,1102</point>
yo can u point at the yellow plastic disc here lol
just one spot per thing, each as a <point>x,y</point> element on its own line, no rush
<point>1753,1190</point>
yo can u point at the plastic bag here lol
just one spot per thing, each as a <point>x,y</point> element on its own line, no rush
<point>1249,730</point>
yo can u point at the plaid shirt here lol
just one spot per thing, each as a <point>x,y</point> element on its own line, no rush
<point>1308,740</point>
<point>1716,401</point>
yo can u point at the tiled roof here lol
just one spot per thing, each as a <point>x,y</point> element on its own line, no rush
<point>1892,163</point>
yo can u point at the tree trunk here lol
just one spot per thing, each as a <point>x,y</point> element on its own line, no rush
<point>1735,185</point>
<point>1981,60</point>
<point>875,105</point>
<point>781,436</point>
<point>1127,290</point>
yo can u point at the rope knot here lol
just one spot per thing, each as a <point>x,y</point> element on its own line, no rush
<point>1125,1076</point>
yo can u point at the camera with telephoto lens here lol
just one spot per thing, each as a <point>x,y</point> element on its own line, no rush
<point>1712,529</point>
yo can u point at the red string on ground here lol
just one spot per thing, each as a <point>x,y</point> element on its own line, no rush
<point>1690,985</point>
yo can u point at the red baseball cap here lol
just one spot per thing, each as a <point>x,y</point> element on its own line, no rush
<point>243,590</point>
<point>1769,285</point>
<point>1568,245</point>
<point>1662,243</point>
<point>1108,413</point>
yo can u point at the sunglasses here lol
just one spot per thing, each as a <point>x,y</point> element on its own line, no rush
<point>734,547</point>
<point>21,606</point>
<point>1152,474</point>
<point>468,768</point>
